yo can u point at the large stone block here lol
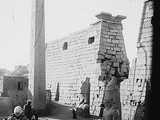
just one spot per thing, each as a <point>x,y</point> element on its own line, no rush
<point>83,60</point>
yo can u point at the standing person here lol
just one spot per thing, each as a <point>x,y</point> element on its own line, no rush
<point>18,114</point>
<point>101,110</point>
<point>28,109</point>
<point>74,111</point>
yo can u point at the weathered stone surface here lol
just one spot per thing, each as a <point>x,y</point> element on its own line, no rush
<point>16,89</point>
<point>37,65</point>
<point>133,89</point>
<point>100,61</point>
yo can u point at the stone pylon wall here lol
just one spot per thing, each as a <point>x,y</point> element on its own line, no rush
<point>133,89</point>
<point>92,54</point>
<point>69,68</point>
<point>113,60</point>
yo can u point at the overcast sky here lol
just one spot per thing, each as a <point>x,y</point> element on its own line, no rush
<point>62,18</point>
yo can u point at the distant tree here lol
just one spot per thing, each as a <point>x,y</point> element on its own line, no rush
<point>20,70</point>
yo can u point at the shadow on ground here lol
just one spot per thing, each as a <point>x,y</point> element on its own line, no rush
<point>58,111</point>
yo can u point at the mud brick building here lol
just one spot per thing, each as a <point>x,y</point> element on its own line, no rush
<point>134,88</point>
<point>16,88</point>
<point>90,63</point>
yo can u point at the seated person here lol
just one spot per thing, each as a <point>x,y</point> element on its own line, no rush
<point>74,109</point>
<point>18,114</point>
<point>82,109</point>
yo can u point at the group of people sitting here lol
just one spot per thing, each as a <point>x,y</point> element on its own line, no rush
<point>82,109</point>
<point>26,113</point>
<point>109,110</point>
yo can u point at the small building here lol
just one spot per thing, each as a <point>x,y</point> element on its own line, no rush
<point>14,87</point>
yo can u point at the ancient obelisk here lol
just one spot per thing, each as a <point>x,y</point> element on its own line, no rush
<point>37,66</point>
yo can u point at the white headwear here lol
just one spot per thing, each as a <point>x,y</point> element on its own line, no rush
<point>18,110</point>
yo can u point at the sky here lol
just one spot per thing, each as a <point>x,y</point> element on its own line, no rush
<point>62,17</point>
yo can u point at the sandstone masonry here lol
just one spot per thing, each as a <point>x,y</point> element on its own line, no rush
<point>88,64</point>
<point>133,89</point>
